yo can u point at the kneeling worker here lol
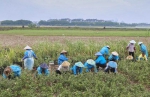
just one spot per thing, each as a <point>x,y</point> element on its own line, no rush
<point>12,71</point>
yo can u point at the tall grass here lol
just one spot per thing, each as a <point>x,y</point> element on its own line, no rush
<point>77,51</point>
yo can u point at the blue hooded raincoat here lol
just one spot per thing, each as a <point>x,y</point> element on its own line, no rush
<point>61,59</point>
<point>39,70</point>
<point>16,71</point>
<point>143,49</point>
<point>28,59</point>
<point>104,50</point>
<point>113,58</point>
<point>88,67</point>
<point>76,70</point>
<point>100,60</point>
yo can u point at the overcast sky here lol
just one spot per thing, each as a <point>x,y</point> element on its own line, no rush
<point>128,11</point>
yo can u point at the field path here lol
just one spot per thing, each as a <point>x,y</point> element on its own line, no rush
<point>13,40</point>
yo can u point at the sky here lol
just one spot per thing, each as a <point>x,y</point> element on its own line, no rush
<point>128,11</point>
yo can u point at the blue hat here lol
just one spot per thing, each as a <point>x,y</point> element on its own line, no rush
<point>79,64</point>
<point>91,62</point>
<point>44,65</point>
<point>112,64</point>
<point>98,54</point>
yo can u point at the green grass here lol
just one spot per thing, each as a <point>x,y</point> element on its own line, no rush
<point>77,32</point>
<point>132,79</point>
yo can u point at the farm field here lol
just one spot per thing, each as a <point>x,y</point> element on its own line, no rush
<point>73,31</point>
<point>132,79</point>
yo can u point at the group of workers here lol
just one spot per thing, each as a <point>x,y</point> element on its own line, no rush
<point>90,65</point>
<point>131,51</point>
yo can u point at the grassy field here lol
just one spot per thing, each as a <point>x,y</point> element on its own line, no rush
<point>77,32</point>
<point>132,79</point>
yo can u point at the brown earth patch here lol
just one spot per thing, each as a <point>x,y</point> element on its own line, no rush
<point>13,40</point>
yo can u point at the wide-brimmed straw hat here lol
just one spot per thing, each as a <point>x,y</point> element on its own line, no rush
<point>63,51</point>
<point>98,54</point>
<point>27,48</point>
<point>79,64</point>
<point>140,43</point>
<point>91,62</point>
<point>7,71</point>
<point>132,41</point>
<point>44,65</point>
<point>129,57</point>
<point>65,63</point>
<point>115,53</point>
<point>108,46</point>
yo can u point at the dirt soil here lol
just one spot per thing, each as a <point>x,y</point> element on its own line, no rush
<point>13,40</point>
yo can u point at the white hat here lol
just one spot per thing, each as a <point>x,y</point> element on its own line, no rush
<point>132,41</point>
<point>115,53</point>
<point>140,43</point>
<point>27,47</point>
<point>91,62</point>
<point>63,51</point>
<point>108,46</point>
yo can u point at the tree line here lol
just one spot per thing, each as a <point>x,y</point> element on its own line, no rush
<point>63,22</point>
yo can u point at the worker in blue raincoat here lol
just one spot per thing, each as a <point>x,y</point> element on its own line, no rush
<point>12,71</point>
<point>90,65</point>
<point>28,58</point>
<point>100,61</point>
<point>43,69</point>
<point>114,56</point>
<point>111,67</point>
<point>143,49</point>
<point>105,50</point>
<point>77,68</point>
<point>62,57</point>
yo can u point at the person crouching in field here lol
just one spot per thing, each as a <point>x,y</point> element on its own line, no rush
<point>28,58</point>
<point>100,61</point>
<point>143,49</point>
<point>12,71</point>
<point>131,48</point>
<point>77,68</point>
<point>43,69</point>
<point>90,65</point>
<point>111,67</point>
<point>142,57</point>
<point>63,67</point>
<point>105,51</point>
<point>114,56</point>
<point>62,57</point>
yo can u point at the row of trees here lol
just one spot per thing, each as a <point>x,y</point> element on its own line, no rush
<point>18,22</point>
<point>67,23</point>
